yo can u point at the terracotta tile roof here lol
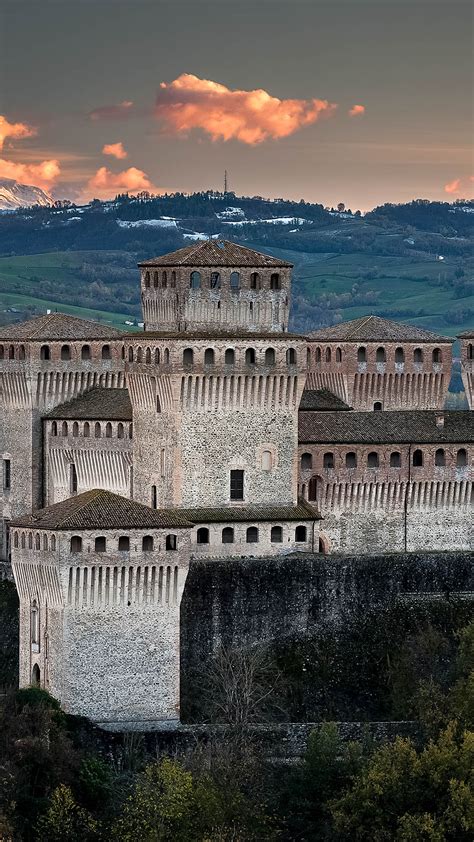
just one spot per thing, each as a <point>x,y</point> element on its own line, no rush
<point>99,509</point>
<point>252,514</point>
<point>216,253</point>
<point>321,400</point>
<point>466,334</point>
<point>58,326</point>
<point>403,427</point>
<point>376,329</point>
<point>97,403</point>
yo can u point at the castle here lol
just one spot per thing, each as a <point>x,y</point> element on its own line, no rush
<point>214,433</point>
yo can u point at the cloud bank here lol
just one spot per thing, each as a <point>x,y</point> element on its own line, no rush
<point>248,116</point>
<point>115,149</point>
<point>44,174</point>
<point>105,184</point>
<point>14,130</point>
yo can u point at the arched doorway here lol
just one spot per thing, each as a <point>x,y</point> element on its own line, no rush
<point>324,544</point>
<point>35,676</point>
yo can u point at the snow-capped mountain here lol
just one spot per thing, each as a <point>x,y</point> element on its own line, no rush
<point>15,195</point>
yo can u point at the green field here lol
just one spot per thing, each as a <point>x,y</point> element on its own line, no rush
<point>407,288</point>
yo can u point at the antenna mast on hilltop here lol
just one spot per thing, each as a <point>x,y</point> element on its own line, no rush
<point>225,182</point>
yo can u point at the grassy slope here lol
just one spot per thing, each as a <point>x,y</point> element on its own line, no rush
<point>402,285</point>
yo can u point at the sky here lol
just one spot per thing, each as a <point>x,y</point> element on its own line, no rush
<point>354,101</point>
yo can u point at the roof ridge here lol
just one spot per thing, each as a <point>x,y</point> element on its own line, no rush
<point>94,492</point>
<point>360,324</point>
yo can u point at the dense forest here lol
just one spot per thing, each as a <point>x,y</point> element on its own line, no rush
<point>62,780</point>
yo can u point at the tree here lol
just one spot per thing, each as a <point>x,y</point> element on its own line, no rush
<point>65,821</point>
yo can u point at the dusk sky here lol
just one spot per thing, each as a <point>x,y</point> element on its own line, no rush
<point>360,102</point>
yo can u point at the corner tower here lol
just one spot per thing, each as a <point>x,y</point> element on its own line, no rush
<point>215,285</point>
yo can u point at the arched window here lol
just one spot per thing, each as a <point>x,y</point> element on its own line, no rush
<point>270,356</point>
<point>108,430</point>
<point>461,458</point>
<point>254,280</point>
<point>395,460</point>
<point>301,534</point>
<point>328,461</point>
<point>399,355</point>
<point>378,406</point>
<point>97,430</point>
<point>147,280</point>
<point>76,544</point>
<point>306,461</point>
<point>30,541</point>
<point>380,355</point>
<point>291,356</point>
<point>417,459</point>
<point>234,280</point>
<point>45,353</point>
<point>2,352</point>
<point>11,352</point>
<point>328,355</point>
<point>418,356</point>
<point>124,544</point>
<point>15,540</point>
<point>106,354</point>
<point>35,626</point>
<point>267,460</point>
<point>318,356</point>
<point>155,280</point>
<point>437,355</point>
<point>227,535</point>
<point>35,676</point>
<point>276,535</point>
<point>21,352</point>
<point>195,280</point>
<point>54,429</point>
<point>188,356</point>
<point>37,541</point>
<point>308,357</point>
<point>130,431</point>
<point>351,460</point>
<point>440,458</point>
<point>202,535</point>
<point>72,478</point>
<point>64,429</point>
<point>139,355</point>
<point>252,535</point>
<point>164,280</point>
<point>470,351</point>
<point>158,404</point>
<point>215,281</point>
<point>65,352</point>
<point>250,356</point>
<point>148,356</point>
<point>86,352</point>
<point>173,279</point>
<point>147,544</point>
<point>45,542</point>
<point>229,356</point>
<point>53,543</point>
<point>171,542</point>
<point>275,281</point>
<point>208,356</point>
<point>362,355</point>
<point>86,430</point>
<point>373,459</point>
<point>75,429</point>
<point>338,355</point>
<point>100,544</point>
<point>23,541</point>
<point>130,355</point>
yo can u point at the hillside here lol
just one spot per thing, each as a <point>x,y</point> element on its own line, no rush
<point>413,262</point>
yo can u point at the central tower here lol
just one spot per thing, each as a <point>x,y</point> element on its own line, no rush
<point>215,285</point>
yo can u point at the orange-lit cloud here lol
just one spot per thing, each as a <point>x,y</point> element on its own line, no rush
<point>357,111</point>
<point>249,116</point>
<point>453,186</point>
<point>14,130</point>
<point>105,184</point>
<point>113,112</point>
<point>44,174</point>
<point>115,149</point>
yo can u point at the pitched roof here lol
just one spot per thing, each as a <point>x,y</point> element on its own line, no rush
<point>466,334</point>
<point>402,427</point>
<point>58,326</point>
<point>252,514</point>
<point>106,404</point>
<point>376,329</point>
<point>99,509</point>
<point>215,253</point>
<point>321,400</point>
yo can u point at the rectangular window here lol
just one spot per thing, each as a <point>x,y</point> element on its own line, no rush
<point>236,485</point>
<point>6,474</point>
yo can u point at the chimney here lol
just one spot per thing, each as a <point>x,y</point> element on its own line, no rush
<point>440,422</point>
